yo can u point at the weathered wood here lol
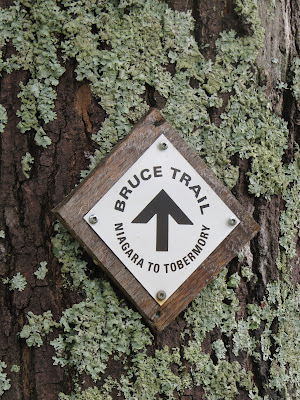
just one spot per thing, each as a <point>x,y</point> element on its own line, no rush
<point>72,210</point>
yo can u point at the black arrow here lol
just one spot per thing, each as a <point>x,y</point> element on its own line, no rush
<point>163,206</point>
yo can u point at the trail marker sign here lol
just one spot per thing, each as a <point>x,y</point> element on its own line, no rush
<point>157,220</point>
<point>161,219</point>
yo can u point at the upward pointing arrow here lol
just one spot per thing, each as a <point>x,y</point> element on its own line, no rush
<point>162,205</point>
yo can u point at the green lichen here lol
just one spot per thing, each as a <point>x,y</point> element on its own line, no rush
<point>271,9</point>
<point>247,273</point>
<point>280,306</point>
<point>242,339</point>
<point>38,326</point>
<point>152,376</point>
<point>95,329</point>
<point>99,326</point>
<point>37,104</point>
<point>248,126</point>
<point>34,34</point>
<point>290,217</point>
<point>296,79</point>
<point>26,162</point>
<point>2,234</point>
<point>4,381</point>
<point>215,307</point>
<point>92,393</point>
<point>3,118</point>
<point>221,381</point>
<point>152,37</point>
<point>15,368</point>
<point>120,47</point>
<point>234,280</point>
<point>69,253</point>
<point>41,272</point>
<point>17,282</point>
<point>260,136</point>
<point>219,349</point>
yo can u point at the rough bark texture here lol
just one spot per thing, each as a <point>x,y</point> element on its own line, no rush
<point>26,204</point>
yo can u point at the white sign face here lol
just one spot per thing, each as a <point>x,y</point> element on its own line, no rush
<point>161,219</point>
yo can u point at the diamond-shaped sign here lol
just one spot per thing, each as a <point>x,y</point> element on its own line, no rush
<point>161,219</point>
<point>157,220</point>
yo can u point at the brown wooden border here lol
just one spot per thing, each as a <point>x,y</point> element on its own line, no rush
<point>71,211</point>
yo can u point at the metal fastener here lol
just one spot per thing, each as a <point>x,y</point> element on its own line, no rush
<point>161,295</point>
<point>232,221</point>
<point>163,145</point>
<point>93,219</point>
<point>157,315</point>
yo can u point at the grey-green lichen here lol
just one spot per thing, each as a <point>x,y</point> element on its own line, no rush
<point>296,78</point>
<point>3,118</point>
<point>37,104</point>
<point>99,326</point>
<point>26,162</point>
<point>34,34</point>
<point>2,234</point>
<point>41,272</point>
<point>38,326</point>
<point>92,393</point>
<point>4,381</point>
<point>17,282</point>
<point>280,306</point>
<point>247,273</point>
<point>216,307</point>
<point>219,348</point>
<point>152,376</point>
<point>15,368</point>
<point>290,217</point>
<point>120,47</point>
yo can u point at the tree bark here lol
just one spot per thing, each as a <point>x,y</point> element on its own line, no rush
<point>26,205</point>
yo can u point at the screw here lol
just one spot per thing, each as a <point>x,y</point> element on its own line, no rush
<point>163,145</point>
<point>93,219</point>
<point>232,221</point>
<point>161,295</point>
<point>157,315</point>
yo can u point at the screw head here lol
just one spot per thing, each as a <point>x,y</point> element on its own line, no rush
<point>93,219</point>
<point>161,295</point>
<point>232,221</point>
<point>157,315</point>
<point>163,145</point>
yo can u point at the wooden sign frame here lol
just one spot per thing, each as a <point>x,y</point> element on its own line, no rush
<point>71,211</point>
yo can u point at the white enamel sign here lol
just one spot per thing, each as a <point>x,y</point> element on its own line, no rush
<point>161,219</point>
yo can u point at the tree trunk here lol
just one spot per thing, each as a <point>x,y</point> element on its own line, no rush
<point>239,339</point>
